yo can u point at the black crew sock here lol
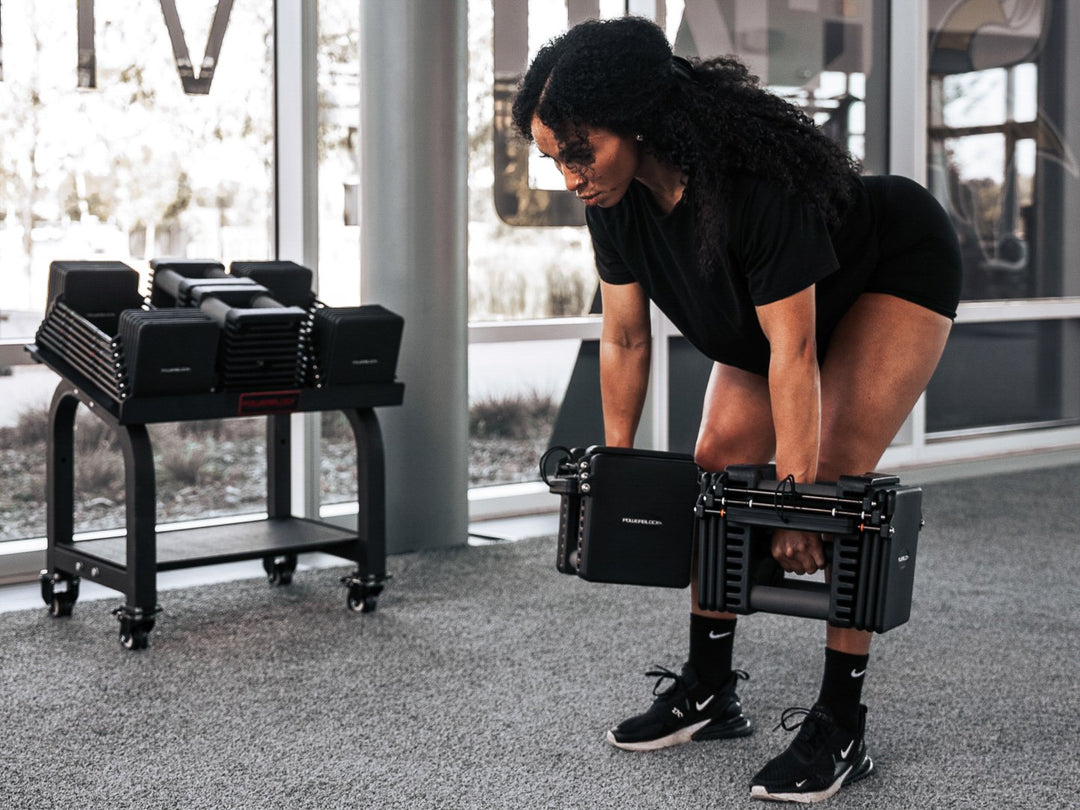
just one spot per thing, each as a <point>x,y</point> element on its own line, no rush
<point>711,642</point>
<point>841,686</point>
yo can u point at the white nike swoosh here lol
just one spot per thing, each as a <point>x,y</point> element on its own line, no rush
<point>800,784</point>
<point>704,703</point>
<point>858,674</point>
<point>846,751</point>
<point>715,636</point>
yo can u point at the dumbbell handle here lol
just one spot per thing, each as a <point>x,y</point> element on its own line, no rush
<point>809,600</point>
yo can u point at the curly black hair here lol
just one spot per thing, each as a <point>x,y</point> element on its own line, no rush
<point>709,118</point>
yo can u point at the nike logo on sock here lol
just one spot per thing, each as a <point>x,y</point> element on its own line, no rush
<point>858,674</point>
<point>715,636</point>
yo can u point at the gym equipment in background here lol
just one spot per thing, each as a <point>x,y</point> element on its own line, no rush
<point>206,344</point>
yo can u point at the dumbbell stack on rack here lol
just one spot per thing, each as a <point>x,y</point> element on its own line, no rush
<point>169,351</point>
<point>82,315</point>
<point>201,329</point>
<point>96,322</point>
<point>260,336</point>
<point>349,345</point>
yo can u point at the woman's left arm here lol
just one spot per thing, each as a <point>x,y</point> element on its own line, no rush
<point>795,393</point>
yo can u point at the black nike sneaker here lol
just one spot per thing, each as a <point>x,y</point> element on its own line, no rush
<point>686,711</point>
<point>820,760</point>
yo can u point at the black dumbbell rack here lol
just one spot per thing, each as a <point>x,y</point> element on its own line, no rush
<point>130,563</point>
<point>874,524</point>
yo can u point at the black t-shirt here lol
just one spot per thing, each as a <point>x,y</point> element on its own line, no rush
<point>777,246</point>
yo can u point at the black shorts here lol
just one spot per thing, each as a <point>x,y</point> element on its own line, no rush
<point>919,258</point>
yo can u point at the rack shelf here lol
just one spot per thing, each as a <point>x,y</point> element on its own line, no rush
<point>190,548</point>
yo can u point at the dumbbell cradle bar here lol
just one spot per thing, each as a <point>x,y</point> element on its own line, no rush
<point>833,511</point>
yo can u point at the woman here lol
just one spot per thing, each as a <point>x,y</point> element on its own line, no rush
<point>824,300</point>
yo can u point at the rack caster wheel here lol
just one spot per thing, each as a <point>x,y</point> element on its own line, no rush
<point>135,635</point>
<point>59,592</point>
<point>279,570</point>
<point>135,627</point>
<point>361,600</point>
<point>363,596</point>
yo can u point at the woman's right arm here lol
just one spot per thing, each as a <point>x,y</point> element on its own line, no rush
<point>625,354</point>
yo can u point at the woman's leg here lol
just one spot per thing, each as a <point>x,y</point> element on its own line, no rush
<point>879,361</point>
<point>736,428</point>
<point>702,703</point>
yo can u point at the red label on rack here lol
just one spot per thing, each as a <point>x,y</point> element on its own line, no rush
<point>257,402</point>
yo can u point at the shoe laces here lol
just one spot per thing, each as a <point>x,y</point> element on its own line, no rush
<point>791,718</point>
<point>663,674</point>
<point>813,725</point>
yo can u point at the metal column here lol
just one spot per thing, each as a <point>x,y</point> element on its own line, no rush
<point>413,253</point>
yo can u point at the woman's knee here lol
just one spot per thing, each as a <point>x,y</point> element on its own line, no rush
<point>709,453</point>
<point>736,420</point>
<point>716,449</point>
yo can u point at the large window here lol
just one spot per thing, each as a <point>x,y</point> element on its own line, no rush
<point>1003,158</point>
<point>513,205</point>
<point>338,175</point>
<point>106,153</point>
<point>338,98</point>
<point>131,130</point>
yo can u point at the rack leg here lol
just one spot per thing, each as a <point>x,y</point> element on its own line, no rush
<point>367,582</point>
<point>60,589</point>
<point>138,614</point>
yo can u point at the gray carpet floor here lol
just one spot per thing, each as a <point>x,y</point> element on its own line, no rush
<point>486,680</point>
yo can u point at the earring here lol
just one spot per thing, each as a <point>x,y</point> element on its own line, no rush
<point>639,137</point>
